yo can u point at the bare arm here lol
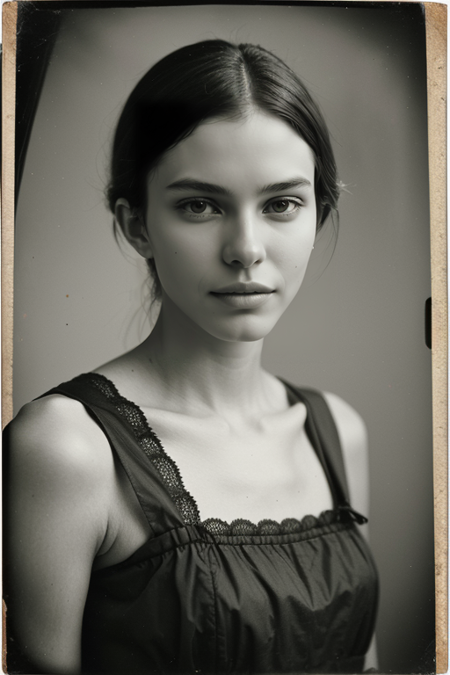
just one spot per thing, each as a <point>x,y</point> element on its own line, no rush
<point>353,436</point>
<point>57,518</point>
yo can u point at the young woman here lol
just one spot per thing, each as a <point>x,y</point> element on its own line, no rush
<point>181,510</point>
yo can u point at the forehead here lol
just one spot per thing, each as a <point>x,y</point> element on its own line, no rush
<point>253,150</point>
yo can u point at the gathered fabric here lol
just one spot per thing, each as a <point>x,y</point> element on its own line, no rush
<point>296,596</point>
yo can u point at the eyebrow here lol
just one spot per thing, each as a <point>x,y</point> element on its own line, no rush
<point>285,185</point>
<point>211,188</point>
<point>198,186</point>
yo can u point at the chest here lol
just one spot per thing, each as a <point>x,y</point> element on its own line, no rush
<point>269,470</point>
<point>266,470</point>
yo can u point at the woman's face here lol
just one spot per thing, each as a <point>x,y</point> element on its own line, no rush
<point>231,221</point>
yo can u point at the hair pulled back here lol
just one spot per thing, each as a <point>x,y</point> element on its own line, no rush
<point>205,80</point>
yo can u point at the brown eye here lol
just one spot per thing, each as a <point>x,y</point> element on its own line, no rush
<point>198,206</point>
<point>280,206</point>
<point>283,207</point>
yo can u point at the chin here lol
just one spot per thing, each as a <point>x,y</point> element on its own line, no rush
<point>243,329</point>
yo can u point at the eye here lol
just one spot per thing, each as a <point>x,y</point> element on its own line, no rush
<point>199,207</point>
<point>284,206</point>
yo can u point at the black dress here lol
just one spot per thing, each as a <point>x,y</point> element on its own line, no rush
<point>212,597</point>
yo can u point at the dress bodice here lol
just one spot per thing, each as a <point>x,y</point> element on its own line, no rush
<point>215,597</point>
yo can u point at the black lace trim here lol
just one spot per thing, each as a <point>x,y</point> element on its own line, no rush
<point>152,447</point>
<point>185,502</point>
<point>269,527</point>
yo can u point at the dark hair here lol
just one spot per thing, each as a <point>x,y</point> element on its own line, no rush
<point>213,79</point>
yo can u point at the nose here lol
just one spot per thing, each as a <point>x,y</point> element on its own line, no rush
<point>243,246</point>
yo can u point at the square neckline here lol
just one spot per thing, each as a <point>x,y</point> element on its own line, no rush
<point>152,446</point>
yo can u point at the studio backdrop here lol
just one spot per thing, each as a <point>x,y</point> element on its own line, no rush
<point>357,325</point>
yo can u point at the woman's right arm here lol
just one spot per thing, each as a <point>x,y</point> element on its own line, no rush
<point>57,496</point>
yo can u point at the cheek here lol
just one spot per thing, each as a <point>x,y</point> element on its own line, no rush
<point>294,251</point>
<point>178,257</point>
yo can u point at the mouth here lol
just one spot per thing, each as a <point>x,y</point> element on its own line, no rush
<point>244,296</point>
<point>244,288</point>
<point>246,293</point>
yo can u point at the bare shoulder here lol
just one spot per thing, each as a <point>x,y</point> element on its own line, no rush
<point>55,419</point>
<point>353,436</point>
<point>55,438</point>
<point>351,426</point>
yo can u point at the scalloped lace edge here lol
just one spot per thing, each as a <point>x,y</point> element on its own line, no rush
<point>267,526</point>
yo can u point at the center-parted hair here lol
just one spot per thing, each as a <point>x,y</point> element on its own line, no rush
<point>206,80</point>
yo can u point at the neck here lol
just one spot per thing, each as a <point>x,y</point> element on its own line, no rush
<point>200,372</point>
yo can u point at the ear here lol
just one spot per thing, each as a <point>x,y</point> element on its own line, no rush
<point>133,227</point>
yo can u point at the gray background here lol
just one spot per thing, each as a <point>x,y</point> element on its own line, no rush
<point>357,325</point>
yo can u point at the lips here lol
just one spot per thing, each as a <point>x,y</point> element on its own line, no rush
<point>244,295</point>
<point>243,287</point>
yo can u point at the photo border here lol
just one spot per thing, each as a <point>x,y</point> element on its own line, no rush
<point>436,50</point>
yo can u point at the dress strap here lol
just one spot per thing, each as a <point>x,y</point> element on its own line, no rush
<point>153,476</point>
<point>321,429</point>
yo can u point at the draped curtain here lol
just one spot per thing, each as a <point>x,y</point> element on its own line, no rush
<point>37,30</point>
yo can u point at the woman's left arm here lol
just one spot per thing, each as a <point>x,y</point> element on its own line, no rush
<point>353,436</point>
